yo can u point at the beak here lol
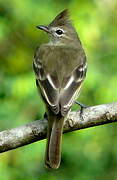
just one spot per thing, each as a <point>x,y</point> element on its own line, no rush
<point>44,28</point>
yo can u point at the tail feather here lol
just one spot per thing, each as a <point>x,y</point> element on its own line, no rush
<point>53,146</point>
<point>49,130</point>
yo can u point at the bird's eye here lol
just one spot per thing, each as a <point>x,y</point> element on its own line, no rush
<point>59,32</point>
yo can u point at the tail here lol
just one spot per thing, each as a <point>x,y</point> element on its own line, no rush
<point>54,137</point>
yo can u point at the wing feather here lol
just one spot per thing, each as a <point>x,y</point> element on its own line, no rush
<point>59,96</point>
<point>72,88</point>
<point>48,87</point>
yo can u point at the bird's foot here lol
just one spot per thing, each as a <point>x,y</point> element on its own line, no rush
<point>82,107</point>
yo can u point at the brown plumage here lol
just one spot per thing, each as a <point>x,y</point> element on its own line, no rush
<point>60,68</point>
<point>62,19</point>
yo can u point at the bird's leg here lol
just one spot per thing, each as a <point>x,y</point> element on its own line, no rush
<point>82,106</point>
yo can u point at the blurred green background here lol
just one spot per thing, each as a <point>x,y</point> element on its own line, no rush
<point>87,154</point>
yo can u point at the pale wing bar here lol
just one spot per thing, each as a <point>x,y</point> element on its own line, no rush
<point>60,98</point>
<point>72,87</point>
<point>48,88</point>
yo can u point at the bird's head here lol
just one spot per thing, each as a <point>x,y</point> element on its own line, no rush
<point>60,29</point>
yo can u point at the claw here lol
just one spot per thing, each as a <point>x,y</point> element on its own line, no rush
<point>82,106</point>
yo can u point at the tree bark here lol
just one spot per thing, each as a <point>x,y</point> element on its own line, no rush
<point>36,130</point>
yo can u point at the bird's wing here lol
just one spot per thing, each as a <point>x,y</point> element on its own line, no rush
<point>48,84</point>
<point>71,87</point>
<point>59,96</point>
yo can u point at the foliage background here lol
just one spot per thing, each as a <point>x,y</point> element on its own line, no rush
<point>88,154</point>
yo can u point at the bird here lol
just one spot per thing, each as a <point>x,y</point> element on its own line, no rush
<point>60,68</point>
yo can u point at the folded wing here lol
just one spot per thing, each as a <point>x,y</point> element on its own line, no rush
<point>59,96</point>
<point>71,88</point>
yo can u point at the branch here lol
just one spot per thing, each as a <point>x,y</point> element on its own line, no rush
<point>35,131</point>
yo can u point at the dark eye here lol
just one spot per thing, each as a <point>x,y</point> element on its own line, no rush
<point>59,32</point>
